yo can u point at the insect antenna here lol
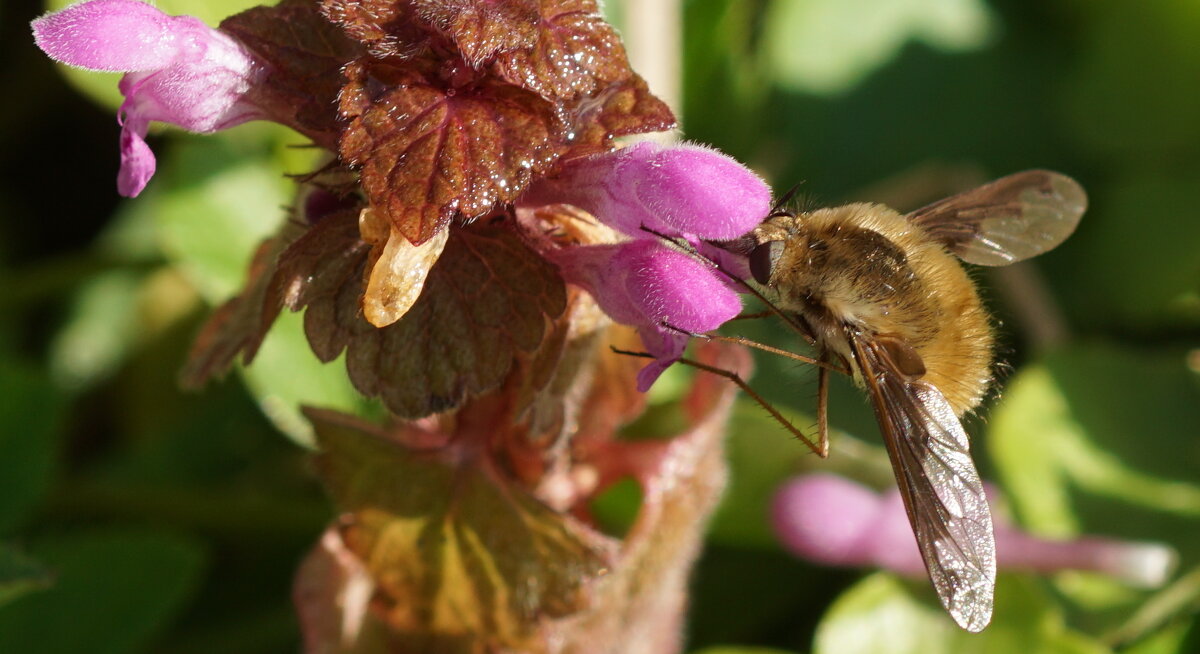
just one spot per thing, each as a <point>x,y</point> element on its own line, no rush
<point>778,209</point>
<point>820,448</point>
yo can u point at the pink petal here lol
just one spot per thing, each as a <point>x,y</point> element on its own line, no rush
<point>698,190</point>
<point>108,35</point>
<point>674,288</point>
<point>137,160</point>
<point>826,518</point>
<point>681,190</point>
<point>666,346</point>
<point>591,266</point>
<point>650,286</point>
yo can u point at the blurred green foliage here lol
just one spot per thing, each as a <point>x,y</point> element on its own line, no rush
<point>166,522</point>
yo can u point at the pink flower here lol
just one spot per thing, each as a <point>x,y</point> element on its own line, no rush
<point>835,521</point>
<point>688,192</point>
<point>179,71</point>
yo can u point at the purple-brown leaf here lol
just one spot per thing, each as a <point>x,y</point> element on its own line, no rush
<point>304,54</point>
<point>433,141</point>
<point>620,109</point>
<point>240,324</point>
<point>575,54</point>
<point>387,27</point>
<point>483,29</point>
<point>487,298</point>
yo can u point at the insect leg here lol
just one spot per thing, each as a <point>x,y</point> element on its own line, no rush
<point>823,411</point>
<point>751,316</point>
<point>742,340</point>
<point>822,452</point>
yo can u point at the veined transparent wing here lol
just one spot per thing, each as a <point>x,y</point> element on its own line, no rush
<point>942,491</point>
<point>1008,220</point>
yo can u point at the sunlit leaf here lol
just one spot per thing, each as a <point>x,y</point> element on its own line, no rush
<point>483,29</point>
<point>1096,439</point>
<point>735,649</point>
<point>827,46</point>
<point>623,108</point>
<point>386,27</point>
<point>576,53</point>
<point>883,614</point>
<point>428,152</point>
<point>1108,422</point>
<point>452,546</point>
<point>217,199</point>
<point>101,330</point>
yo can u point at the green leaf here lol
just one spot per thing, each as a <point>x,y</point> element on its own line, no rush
<point>31,419</point>
<point>882,614</point>
<point>113,593</point>
<point>217,198</point>
<point>286,376</point>
<point>1132,97</point>
<point>1135,221</point>
<point>828,46</point>
<point>102,328</point>
<point>1108,422</point>
<point>19,574</point>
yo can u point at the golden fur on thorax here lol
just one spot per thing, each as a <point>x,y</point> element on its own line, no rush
<point>867,266</point>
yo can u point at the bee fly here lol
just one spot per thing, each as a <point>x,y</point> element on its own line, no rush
<point>882,294</point>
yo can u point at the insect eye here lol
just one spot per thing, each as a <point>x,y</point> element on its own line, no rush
<point>762,260</point>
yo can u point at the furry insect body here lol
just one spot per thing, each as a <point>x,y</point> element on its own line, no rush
<point>867,266</point>
<point>884,293</point>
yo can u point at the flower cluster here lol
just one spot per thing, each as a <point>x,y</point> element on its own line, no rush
<point>468,243</point>
<point>487,90</point>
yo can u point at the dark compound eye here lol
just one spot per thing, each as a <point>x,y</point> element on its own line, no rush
<point>763,259</point>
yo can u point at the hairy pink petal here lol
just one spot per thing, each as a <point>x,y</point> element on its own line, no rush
<point>652,287</point>
<point>667,347</point>
<point>137,160</point>
<point>835,521</point>
<point>674,288</point>
<point>686,190</point>
<point>827,518</point>
<point>108,35</point>
<point>698,190</point>
<point>179,71</point>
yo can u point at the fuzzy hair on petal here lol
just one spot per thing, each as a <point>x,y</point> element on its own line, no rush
<point>108,35</point>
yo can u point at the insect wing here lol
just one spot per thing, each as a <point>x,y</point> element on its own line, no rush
<point>1008,220</point>
<point>942,491</point>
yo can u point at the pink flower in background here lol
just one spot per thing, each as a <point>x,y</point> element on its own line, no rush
<point>179,71</point>
<point>689,192</point>
<point>834,521</point>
